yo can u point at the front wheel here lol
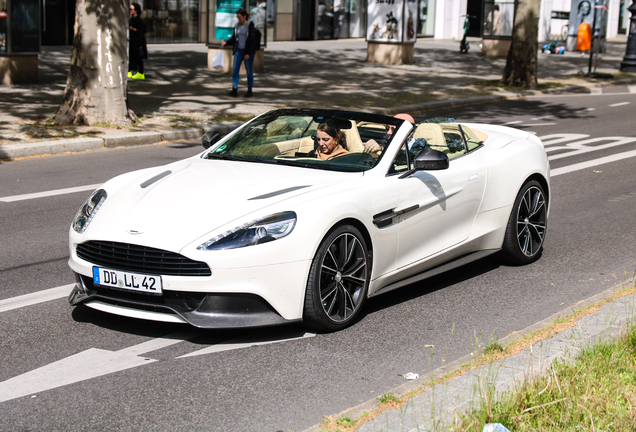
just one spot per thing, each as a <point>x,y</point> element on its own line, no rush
<point>338,280</point>
<point>527,225</point>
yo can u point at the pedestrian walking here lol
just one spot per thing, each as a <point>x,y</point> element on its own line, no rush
<point>137,50</point>
<point>244,44</point>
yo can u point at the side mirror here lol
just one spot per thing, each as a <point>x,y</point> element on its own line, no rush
<point>210,138</point>
<point>428,160</point>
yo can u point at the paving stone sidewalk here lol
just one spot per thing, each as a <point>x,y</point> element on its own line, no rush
<point>181,97</point>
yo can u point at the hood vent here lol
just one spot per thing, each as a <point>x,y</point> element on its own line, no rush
<point>280,192</point>
<point>155,179</point>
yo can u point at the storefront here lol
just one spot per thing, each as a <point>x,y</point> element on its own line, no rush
<point>19,41</point>
<point>426,18</point>
<point>193,21</point>
<point>329,19</point>
<point>171,21</point>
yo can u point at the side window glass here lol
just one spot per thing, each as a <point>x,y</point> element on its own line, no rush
<point>473,138</point>
<point>402,161</point>
<point>454,140</point>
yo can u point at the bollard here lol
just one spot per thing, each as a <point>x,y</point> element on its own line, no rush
<point>629,61</point>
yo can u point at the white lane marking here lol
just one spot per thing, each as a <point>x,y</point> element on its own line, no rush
<point>596,90</point>
<point>580,147</point>
<point>513,122</point>
<point>86,365</point>
<point>584,165</point>
<point>49,193</point>
<point>244,342</point>
<point>537,124</point>
<point>35,298</point>
<point>619,104</point>
<point>561,137</point>
<point>632,88</point>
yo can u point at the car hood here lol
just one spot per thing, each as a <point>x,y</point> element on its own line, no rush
<point>171,206</point>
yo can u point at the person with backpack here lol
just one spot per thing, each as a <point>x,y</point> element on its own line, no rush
<point>245,40</point>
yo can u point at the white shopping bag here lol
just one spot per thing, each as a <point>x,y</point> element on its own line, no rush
<point>218,60</point>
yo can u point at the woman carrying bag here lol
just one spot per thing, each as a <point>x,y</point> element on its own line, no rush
<point>244,48</point>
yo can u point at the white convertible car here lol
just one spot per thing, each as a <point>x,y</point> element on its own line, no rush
<point>267,227</point>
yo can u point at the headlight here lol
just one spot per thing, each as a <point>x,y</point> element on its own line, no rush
<point>86,214</point>
<point>261,231</point>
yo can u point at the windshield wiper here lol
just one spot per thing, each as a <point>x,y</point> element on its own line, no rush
<point>297,163</point>
<point>228,157</point>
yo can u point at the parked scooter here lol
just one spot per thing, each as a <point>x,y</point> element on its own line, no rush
<point>464,46</point>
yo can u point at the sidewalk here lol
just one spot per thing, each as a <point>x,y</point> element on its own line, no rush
<point>180,96</point>
<point>439,406</point>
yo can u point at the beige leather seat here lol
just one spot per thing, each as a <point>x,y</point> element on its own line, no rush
<point>433,134</point>
<point>354,142</point>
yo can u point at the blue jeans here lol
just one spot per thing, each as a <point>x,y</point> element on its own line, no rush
<point>239,57</point>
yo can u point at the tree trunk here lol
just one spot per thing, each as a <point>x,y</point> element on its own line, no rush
<point>521,64</point>
<point>96,87</point>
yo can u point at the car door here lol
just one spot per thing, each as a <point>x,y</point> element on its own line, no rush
<point>439,207</point>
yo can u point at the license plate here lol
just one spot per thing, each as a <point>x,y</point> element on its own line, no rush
<point>129,281</point>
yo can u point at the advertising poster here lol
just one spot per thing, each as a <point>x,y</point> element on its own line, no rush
<point>410,23</point>
<point>226,17</point>
<point>386,21</point>
<point>581,11</point>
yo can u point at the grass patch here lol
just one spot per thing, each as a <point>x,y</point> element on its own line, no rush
<point>597,391</point>
<point>388,398</point>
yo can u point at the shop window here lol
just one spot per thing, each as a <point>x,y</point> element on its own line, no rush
<point>498,18</point>
<point>171,21</point>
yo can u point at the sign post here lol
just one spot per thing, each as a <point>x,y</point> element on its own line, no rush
<point>391,34</point>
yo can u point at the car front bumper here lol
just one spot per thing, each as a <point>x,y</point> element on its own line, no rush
<point>202,310</point>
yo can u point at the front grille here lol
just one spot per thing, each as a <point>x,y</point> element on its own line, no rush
<point>140,259</point>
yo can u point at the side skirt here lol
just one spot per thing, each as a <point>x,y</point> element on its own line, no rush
<point>458,262</point>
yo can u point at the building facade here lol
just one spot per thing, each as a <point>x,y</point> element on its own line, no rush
<point>195,21</point>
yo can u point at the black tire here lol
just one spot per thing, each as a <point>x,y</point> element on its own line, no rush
<point>338,280</point>
<point>525,233</point>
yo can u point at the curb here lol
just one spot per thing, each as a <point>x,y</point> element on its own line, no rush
<point>358,411</point>
<point>15,151</point>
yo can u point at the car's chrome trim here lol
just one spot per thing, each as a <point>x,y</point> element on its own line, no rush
<point>135,313</point>
<point>459,262</point>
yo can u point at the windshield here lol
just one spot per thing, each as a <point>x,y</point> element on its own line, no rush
<point>319,139</point>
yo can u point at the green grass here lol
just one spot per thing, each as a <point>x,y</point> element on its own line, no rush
<point>388,398</point>
<point>595,392</point>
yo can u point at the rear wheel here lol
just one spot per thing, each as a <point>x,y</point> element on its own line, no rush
<point>338,280</point>
<point>527,225</point>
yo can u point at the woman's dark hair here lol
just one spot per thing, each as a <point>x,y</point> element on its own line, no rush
<point>137,8</point>
<point>243,12</point>
<point>334,133</point>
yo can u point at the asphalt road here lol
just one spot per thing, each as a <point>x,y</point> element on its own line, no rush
<point>78,369</point>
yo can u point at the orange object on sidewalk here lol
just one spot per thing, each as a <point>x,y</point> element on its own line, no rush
<point>584,37</point>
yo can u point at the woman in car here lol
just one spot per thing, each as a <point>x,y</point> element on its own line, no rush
<point>330,142</point>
